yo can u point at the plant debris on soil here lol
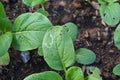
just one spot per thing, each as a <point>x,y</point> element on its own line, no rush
<point>93,34</point>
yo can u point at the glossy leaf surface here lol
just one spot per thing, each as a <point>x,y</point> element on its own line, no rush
<point>110,13</point>
<point>5,59</point>
<point>85,56</point>
<point>74,73</point>
<point>5,42</point>
<point>72,30</point>
<point>58,48</point>
<point>29,29</point>
<point>48,75</point>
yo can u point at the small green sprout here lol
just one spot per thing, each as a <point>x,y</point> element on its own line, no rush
<point>110,11</point>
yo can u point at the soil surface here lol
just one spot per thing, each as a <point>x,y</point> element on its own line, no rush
<point>93,34</point>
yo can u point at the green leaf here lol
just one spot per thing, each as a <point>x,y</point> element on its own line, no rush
<point>116,70</point>
<point>5,42</point>
<point>91,77</point>
<point>42,12</point>
<point>85,56</point>
<point>58,48</point>
<point>111,1</point>
<point>106,1</point>
<point>40,51</point>
<point>95,73</point>
<point>102,1</point>
<point>95,70</point>
<point>72,30</point>
<point>110,13</point>
<point>5,59</point>
<point>74,73</point>
<point>32,3</point>
<point>5,24</point>
<point>48,75</point>
<point>29,29</point>
<point>2,11</point>
<point>117,37</point>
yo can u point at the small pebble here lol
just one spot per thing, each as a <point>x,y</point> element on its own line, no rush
<point>25,55</point>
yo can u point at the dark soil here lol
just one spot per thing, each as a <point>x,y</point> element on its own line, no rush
<point>93,34</point>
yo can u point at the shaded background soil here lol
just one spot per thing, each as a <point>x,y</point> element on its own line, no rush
<point>93,34</point>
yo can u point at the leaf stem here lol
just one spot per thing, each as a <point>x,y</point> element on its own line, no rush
<point>64,68</point>
<point>42,5</point>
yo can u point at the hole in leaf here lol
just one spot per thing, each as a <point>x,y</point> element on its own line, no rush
<point>68,29</point>
<point>113,18</point>
<point>104,14</point>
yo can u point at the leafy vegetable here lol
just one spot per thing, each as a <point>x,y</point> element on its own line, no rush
<point>74,73</point>
<point>29,29</point>
<point>85,56</point>
<point>117,37</point>
<point>58,48</point>
<point>32,3</point>
<point>116,70</point>
<point>48,75</point>
<point>5,42</point>
<point>110,13</point>
<point>5,59</point>
<point>72,30</point>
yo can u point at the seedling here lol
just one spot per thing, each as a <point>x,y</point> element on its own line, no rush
<point>26,33</point>
<point>5,36</point>
<point>34,30</point>
<point>110,11</point>
<point>59,56</point>
<point>72,73</point>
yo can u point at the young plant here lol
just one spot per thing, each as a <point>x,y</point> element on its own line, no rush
<point>5,36</point>
<point>26,33</point>
<point>59,53</point>
<point>72,73</point>
<point>34,30</point>
<point>110,11</point>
